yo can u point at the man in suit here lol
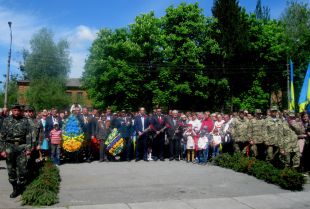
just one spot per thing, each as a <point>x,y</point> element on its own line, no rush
<point>123,124</point>
<point>88,133</point>
<point>141,125</point>
<point>52,119</point>
<point>174,135</point>
<point>159,124</point>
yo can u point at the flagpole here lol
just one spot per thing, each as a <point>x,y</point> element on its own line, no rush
<point>288,86</point>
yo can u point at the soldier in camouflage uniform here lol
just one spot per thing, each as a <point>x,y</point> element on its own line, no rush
<point>33,124</point>
<point>17,146</point>
<point>36,137</point>
<point>295,131</point>
<point>275,130</point>
<point>239,132</point>
<point>257,133</point>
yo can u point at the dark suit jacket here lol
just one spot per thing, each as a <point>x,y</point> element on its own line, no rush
<point>124,126</point>
<point>138,123</point>
<point>50,124</point>
<point>159,124</point>
<point>102,132</point>
<point>87,126</point>
<point>173,127</point>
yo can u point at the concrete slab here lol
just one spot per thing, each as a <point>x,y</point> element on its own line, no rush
<point>269,202</point>
<point>169,204</point>
<point>298,197</point>
<point>216,203</point>
<point>108,183</point>
<point>106,206</point>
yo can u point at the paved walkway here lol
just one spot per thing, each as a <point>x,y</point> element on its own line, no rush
<point>134,185</point>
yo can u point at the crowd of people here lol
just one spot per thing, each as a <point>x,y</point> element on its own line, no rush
<point>277,137</point>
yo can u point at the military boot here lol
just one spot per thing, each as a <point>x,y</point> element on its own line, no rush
<point>16,190</point>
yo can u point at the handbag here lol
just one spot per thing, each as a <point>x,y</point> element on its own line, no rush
<point>44,145</point>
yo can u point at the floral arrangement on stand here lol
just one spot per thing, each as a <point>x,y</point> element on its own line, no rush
<point>72,134</point>
<point>114,143</point>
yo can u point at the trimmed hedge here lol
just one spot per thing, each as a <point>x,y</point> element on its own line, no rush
<point>287,178</point>
<point>43,191</point>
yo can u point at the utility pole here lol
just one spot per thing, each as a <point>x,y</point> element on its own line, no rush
<point>8,69</point>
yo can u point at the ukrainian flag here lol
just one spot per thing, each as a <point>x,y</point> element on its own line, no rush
<point>304,97</point>
<point>292,92</point>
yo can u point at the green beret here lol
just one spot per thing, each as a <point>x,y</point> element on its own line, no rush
<point>258,111</point>
<point>274,108</point>
<point>291,113</point>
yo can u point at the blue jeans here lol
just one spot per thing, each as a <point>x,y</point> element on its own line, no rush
<point>203,155</point>
<point>55,149</point>
<point>216,150</point>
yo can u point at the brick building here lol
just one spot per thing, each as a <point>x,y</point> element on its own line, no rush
<point>73,89</point>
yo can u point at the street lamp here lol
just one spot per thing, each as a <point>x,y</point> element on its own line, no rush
<point>8,69</point>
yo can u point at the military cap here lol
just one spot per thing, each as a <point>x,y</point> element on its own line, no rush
<point>274,108</point>
<point>241,111</point>
<point>16,106</point>
<point>258,111</point>
<point>123,111</point>
<point>29,108</point>
<point>291,113</point>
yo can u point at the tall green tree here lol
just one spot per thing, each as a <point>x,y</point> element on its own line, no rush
<point>234,39</point>
<point>12,91</point>
<point>262,12</point>
<point>188,45</point>
<point>47,65</point>
<point>296,22</point>
<point>146,33</point>
<point>110,74</point>
<point>233,27</point>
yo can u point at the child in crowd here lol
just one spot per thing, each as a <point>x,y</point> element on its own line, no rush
<point>196,138</point>
<point>56,138</point>
<point>216,142</point>
<point>203,145</point>
<point>190,144</point>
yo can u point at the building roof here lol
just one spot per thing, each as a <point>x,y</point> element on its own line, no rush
<point>71,82</point>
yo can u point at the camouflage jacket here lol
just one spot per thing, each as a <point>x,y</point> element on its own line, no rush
<point>297,127</point>
<point>15,130</point>
<point>257,130</point>
<point>276,131</point>
<point>34,128</point>
<point>289,142</point>
<point>239,130</point>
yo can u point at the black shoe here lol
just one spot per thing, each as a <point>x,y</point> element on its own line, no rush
<point>16,191</point>
<point>177,159</point>
<point>155,158</point>
<point>146,160</point>
<point>128,160</point>
<point>88,160</point>
<point>170,159</point>
<point>138,159</point>
<point>101,160</point>
<point>14,194</point>
<point>162,159</point>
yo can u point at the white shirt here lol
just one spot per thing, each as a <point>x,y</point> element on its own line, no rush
<point>202,142</point>
<point>217,139</point>
<point>218,125</point>
<point>196,123</point>
<point>142,120</point>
